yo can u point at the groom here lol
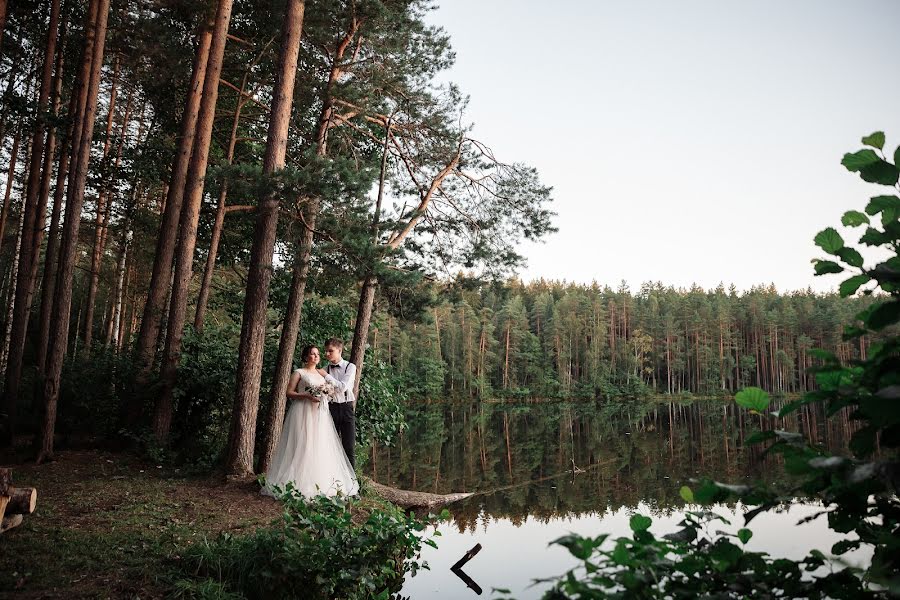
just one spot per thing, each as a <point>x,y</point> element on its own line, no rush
<point>341,374</point>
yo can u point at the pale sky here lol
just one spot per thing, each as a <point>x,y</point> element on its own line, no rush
<point>689,141</point>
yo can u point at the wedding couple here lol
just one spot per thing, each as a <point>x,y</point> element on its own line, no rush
<point>316,451</point>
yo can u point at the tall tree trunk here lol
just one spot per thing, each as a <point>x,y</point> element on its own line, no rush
<point>190,213</point>
<point>33,207</point>
<point>52,255</point>
<point>367,293</point>
<point>219,222</point>
<point>161,275</point>
<point>286,344</point>
<point>14,271</point>
<point>300,272</point>
<point>253,328</point>
<point>102,212</point>
<point>10,179</point>
<point>33,211</point>
<point>2,20</point>
<point>95,41</point>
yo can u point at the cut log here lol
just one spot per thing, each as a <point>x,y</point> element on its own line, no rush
<point>22,501</point>
<point>410,499</point>
<point>10,522</point>
<point>5,482</point>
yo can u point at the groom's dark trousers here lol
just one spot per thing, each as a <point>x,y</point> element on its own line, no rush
<point>345,422</point>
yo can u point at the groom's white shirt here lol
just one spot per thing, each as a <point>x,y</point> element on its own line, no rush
<point>342,376</point>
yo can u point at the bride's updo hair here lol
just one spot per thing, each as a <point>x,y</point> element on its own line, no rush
<point>306,351</point>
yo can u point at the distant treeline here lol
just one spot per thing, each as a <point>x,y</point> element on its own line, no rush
<point>552,339</point>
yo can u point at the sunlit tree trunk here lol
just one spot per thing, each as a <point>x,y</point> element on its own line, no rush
<point>253,328</point>
<point>187,227</point>
<point>161,274</point>
<point>300,273</point>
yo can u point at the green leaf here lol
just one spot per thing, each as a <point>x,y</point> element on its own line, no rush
<point>897,156</point>
<point>858,160</point>
<point>874,237</point>
<point>752,398</point>
<point>849,286</point>
<point>881,172</point>
<point>823,267</point>
<point>686,494</point>
<point>744,535</point>
<point>640,523</point>
<point>851,257</point>
<point>760,436</point>
<point>844,546</point>
<point>829,240</point>
<point>880,203</point>
<point>854,218</point>
<point>883,315</point>
<point>876,140</point>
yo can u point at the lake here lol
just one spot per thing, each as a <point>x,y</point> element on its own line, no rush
<point>543,470</point>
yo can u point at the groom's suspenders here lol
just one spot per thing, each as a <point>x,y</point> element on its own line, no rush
<point>345,372</point>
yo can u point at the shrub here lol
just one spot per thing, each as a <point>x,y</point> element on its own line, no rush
<point>320,551</point>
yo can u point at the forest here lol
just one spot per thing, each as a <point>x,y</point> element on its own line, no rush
<point>550,339</point>
<point>194,191</point>
<point>217,174</point>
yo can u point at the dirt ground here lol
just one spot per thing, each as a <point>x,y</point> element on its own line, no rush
<point>108,525</point>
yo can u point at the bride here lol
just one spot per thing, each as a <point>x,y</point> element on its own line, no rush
<point>309,454</point>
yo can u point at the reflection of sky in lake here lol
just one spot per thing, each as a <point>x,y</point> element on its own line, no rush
<point>635,456</point>
<point>514,555</point>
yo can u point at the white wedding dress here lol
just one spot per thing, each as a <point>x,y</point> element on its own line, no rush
<point>309,454</point>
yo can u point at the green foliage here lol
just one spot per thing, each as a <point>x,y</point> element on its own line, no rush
<point>752,398</point>
<point>379,410</point>
<point>858,494</point>
<point>324,548</point>
<point>692,563</point>
<point>204,394</point>
<point>90,390</point>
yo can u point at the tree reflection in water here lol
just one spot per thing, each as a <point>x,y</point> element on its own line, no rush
<point>520,457</point>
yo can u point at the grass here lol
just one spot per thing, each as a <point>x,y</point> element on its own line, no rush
<point>108,525</point>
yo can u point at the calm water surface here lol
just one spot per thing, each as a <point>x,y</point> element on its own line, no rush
<point>629,457</point>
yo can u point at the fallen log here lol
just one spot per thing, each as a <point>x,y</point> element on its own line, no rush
<point>410,499</point>
<point>22,501</point>
<point>9,522</point>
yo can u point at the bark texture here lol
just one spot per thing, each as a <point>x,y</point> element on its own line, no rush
<point>253,327</point>
<point>33,207</point>
<point>190,213</point>
<point>161,275</point>
<point>95,41</point>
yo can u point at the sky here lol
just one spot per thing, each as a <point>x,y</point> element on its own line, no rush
<point>696,141</point>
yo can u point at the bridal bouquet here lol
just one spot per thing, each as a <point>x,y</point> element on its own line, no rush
<point>321,391</point>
